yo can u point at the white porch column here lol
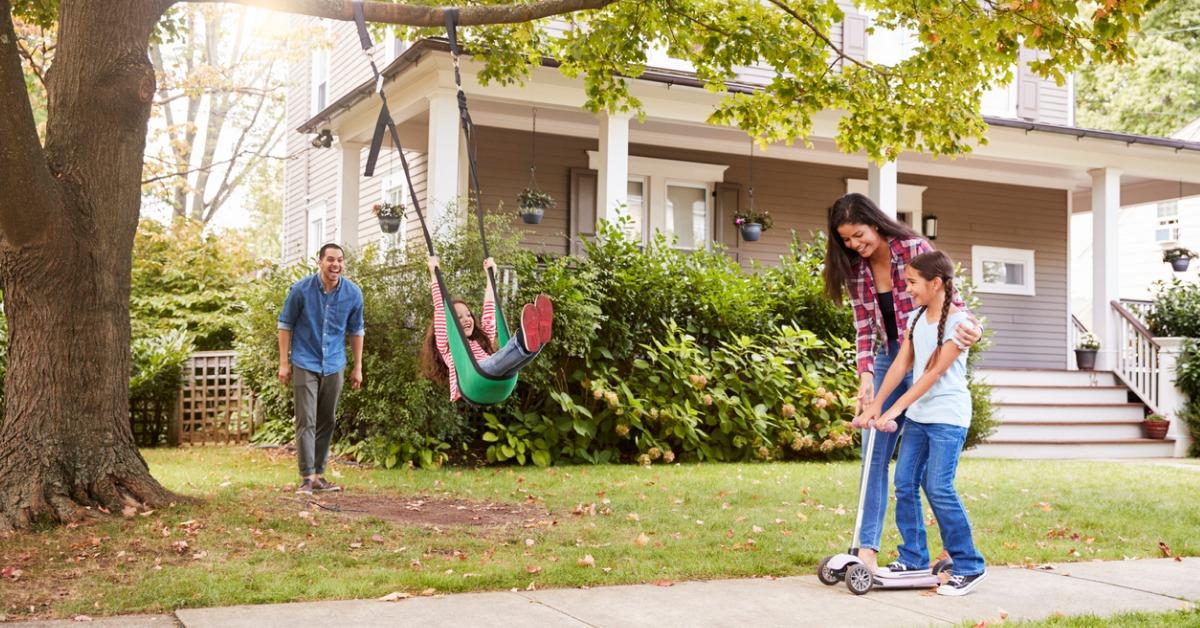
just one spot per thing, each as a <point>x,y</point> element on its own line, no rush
<point>346,215</point>
<point>441,188</point>
<point>612,185</point>
<point>1106,208</point>
<point>881,186</point>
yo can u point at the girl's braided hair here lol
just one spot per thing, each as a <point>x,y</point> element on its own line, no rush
<point>930,266</point>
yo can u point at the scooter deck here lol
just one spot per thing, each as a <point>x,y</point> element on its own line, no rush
<point>922,581</point>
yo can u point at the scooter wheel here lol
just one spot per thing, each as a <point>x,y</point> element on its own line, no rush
<point>859,579</point>
<point>942,565</point>
<point>825,574</point>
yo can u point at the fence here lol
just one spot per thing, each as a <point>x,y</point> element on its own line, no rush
<point>213,406</point>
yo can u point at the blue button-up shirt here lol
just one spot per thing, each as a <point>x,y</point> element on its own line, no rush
<point>320,322</point>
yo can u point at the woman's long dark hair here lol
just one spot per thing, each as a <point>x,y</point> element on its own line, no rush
<point>853,209</point>
<point>930,266</point>
<point>432,364</point>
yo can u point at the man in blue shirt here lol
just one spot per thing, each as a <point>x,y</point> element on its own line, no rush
<point>321,310</point>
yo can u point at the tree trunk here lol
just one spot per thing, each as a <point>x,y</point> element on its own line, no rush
<point>66,443</point>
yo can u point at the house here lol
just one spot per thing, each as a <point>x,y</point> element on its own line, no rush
<point>1003,211</point>
<point>1146,229</point>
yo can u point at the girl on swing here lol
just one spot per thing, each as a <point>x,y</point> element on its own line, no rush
<point>537,322</point>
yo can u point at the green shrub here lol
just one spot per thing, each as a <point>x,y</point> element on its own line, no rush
<point>983,420</point>
<point>1176,309</point>
<point>1188,380</point>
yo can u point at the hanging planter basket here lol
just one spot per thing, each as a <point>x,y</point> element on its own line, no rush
<point>1179,258</point>
<point>532,215</point>
<point>389,216</point>
<point>1180,265</point>
<point>752,231</point>
<point>532,204</point>
<point>389,224</point>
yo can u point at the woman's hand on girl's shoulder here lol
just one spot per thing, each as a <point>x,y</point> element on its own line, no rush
<point>968,332</point>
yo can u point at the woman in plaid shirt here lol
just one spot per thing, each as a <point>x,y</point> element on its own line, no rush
<point>866,256</point>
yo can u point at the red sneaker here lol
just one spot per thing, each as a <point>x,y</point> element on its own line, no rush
<point>545,312</point>
<point>530,328</point>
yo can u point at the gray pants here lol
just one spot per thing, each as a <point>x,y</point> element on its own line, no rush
<point>316,413</point>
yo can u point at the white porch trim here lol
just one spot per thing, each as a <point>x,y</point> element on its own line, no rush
<point>881,186</point>
<point>442,188</point>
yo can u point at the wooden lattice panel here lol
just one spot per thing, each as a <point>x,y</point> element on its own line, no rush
<point>213,406</point>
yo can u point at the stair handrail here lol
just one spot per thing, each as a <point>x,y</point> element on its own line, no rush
<point>1136,356</point>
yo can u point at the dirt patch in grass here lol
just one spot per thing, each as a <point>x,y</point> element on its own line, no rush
<point>431,511</point>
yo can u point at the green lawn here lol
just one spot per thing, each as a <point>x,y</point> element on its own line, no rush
<point>252,541</point>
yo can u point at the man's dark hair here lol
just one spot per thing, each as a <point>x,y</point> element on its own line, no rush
<point>321,254</point>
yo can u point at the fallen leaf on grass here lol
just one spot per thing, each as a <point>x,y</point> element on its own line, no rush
<point>981,624</point>
<point>377,538</point>
<point>180,547</point>
<point>586,561</point>
<point>199,555</point>
<point>1044,506</point>
<point>642,540</point>
<point>128,511</point>
<point>10,573</point>
<point>429,591</point>
<point>1166,551</point>
<point>355,545</point>
<point>1003,615</point>
<point>304,514</point>
<point>663,583</point>
<point>81,618</point>
<point>533,569</point>
<point>395,596</point>
<point>1179,559</point>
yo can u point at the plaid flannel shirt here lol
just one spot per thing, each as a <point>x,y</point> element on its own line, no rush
<point>868,320</point>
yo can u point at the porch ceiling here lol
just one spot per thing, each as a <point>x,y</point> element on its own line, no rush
<point>676,114</point>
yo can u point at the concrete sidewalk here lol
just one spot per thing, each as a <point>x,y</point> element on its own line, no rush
<point>1100,588</point>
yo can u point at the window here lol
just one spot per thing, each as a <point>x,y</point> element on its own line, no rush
<point>672,197</point>
<point>1000,100</point>
<point>316,230</point>
<point>635,208</point>
<point>687,214</point>
<point>1003,271</point>
<point>320,79</point>
<point>1167,230</point>
<point>395,192</point>
<point>392,46</point>
<point>909,201</point>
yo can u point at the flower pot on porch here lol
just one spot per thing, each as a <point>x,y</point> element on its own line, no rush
<point>389,224</point>
<point>532,215</point>
<point>751,231</point>
<point>1156,429</point>
<point>1085,359</point>
<point>1180,264</point>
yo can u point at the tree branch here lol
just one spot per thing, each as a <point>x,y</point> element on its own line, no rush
<point>413,15</point>
<point>30,190</point>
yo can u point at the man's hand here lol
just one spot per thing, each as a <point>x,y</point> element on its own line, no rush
<point>356,379</point>
<point>285,373</point>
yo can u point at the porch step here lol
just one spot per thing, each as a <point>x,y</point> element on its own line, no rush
<point>1087,395</point>
<point>1067,431</point>
<point>1074,449</point>
<point>1046,377</point>
<point>1093,413</point>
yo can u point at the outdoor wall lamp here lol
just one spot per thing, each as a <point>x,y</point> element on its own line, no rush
<point>929,226</point>
<point>323,139</point>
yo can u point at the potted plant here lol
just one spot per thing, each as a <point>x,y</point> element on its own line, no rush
<point>752,223</point>
<point>533,203</point>
<point>1178,257</point>
<point>1085,352</point>
<point>389,215</point>
<point>1156,426</point>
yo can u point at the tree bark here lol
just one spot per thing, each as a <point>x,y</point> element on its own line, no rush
<point>66,443</point>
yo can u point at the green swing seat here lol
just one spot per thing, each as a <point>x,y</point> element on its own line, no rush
<point>476,386</point>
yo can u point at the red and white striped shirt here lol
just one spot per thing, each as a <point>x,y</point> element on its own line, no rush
<point>487,322</point>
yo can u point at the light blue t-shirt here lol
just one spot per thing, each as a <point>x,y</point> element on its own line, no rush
<point>949,401</point>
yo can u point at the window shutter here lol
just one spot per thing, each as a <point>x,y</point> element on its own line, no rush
<point>728,199</point>
<point>1027,86</point>
<point>854,35</point>
<point>583,208</point>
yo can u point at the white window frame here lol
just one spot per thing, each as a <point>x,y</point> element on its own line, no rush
<point>707,188</point>
<point>319,74</point>
<point>314,217</point>
<point>657,173</point>
<point>394,187</point>
<point>1166,222</point>
<point>393,46</point>
<point>1026,257</point>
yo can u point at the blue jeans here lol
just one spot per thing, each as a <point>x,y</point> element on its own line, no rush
<point>929,460</point>
<point>876,501</point>
<point>511,358</point>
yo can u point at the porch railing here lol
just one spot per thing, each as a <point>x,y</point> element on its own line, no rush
<point>1140,308</point>
<point>1136,356</point>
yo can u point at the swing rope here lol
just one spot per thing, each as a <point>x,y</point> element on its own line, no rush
<point>476,386</point>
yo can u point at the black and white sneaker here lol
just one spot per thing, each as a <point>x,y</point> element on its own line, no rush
<point>961,585</point>
<point>900,570</point>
